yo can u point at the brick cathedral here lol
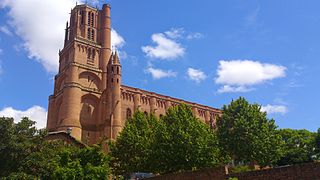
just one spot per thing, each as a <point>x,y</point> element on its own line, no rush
<point>89,98</point>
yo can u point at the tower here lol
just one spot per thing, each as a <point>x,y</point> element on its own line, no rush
<point>81,101</point>
<point>89,98</point>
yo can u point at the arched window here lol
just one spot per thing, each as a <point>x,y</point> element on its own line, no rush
<point>89,33</point>
<point>82,17</point>
<point>129,113</point>
<point>118,71</point>
<point>92,19</point>
<point>92,35</point>
<point>89,18</point>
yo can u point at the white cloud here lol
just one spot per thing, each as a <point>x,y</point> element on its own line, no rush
<point>5,29</point>
<point>40,24</point>
<point>35,113</point>
<point>233,89</point>
<point>194,36</point>
<point>166,47</point>
<point>196,75</point>
<point>239,74</point>
<point>274,109</point>
<point>159,73</point>
<point>117,41</point>
<point>175,33</point>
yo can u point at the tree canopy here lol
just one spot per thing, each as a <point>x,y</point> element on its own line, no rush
<point>24,154</point>
<point>299,146</point>
<point>177,141</point>
<point>247,135</point>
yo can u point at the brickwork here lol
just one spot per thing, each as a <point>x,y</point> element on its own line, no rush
<point>89,96</point>
<point>203,174</point>
<point>307,171</point>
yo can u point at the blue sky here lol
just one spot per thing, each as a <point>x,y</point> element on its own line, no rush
<point>208,52</point>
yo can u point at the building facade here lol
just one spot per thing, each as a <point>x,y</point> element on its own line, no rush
<point>89,98</point>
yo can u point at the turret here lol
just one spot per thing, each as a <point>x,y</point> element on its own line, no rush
<point>115,84</point>
<point>105,41</point>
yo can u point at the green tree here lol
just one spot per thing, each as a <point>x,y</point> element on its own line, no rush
<point>24,154</point>
<point>17,141</point>
<point>299,146</point>
<point>317,144</point>
<point>131,151</point>
<point>247,135</point>
<point>183,142</point>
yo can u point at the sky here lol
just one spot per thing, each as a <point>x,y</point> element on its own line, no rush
<point>208,52</point>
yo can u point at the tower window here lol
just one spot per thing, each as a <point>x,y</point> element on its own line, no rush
<point>92,19</point>
<point>82,17</point>
<point>89,33</point>
<point>89,18</point>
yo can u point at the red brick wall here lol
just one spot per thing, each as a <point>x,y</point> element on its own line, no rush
<point>308,171</point>
<point>203,174</point>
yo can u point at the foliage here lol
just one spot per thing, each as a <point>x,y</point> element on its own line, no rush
<point>245,133</point>
<point>299,146</point>
<point>17,141</point>
<point>24,154</point>
<point>239,169</point>
<point>178,141</point>
<point>183,142</point>
<point>132,150</point>
<point>317,143</point>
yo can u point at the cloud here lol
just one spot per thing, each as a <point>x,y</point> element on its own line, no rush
<point>175,33</point>
<point>42,28</point>
<point>196,75</point>
<point>194,36</point>
<point>5,29</point>
<point>159,73</point>
<point>237,75</point>
<point>166,46</point>
<point>35,113</point>
<point>233,89</point>
<point>274,109</point>
<point>117,41</point>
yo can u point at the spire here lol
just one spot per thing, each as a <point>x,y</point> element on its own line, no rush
<point>116,58</point>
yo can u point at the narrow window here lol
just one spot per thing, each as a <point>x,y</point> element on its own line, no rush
<point>89,33</point>
<point>92,35</point>
<point>92,19</point>
<point>82,17</point>
<point>89,18</point>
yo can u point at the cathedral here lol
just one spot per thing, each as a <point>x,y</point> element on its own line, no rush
<point>89,100</point>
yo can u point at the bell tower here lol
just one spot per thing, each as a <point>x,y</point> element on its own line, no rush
<point>80,102</point>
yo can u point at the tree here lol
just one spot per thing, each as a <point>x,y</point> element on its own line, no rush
<point>132,150</point>
<point>24,154</point>
<point>183,142</point>
<point>299,146</point>
<point>178,141</point>
<point>317,143</point>
<point>247,135</point>
<point>17,141</point>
